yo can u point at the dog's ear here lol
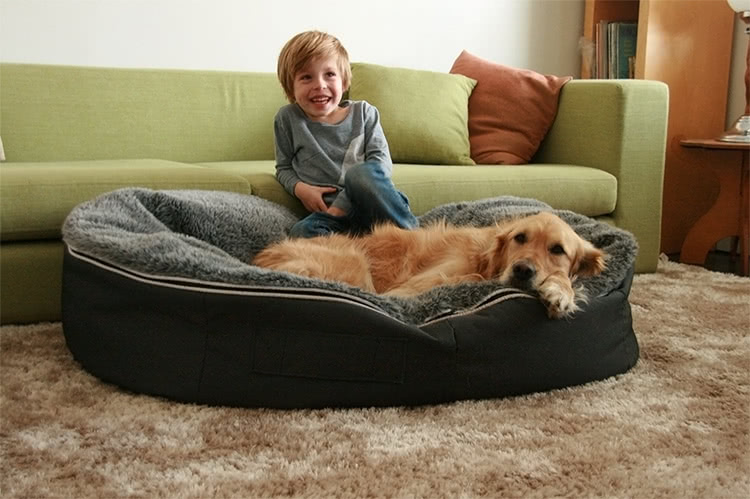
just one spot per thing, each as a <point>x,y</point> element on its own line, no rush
<point>493,259</point>
<point>590,261</point>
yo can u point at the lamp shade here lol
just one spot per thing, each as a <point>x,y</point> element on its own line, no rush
<point>739,5</point>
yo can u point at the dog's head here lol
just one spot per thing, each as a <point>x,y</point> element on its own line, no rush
<point>528,250</point>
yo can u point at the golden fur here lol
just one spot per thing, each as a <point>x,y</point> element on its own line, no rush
<point>538,253</point>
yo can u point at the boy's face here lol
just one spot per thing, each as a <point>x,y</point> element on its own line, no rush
<point>318,90</point>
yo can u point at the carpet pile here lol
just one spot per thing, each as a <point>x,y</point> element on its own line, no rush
<point>677,425</point>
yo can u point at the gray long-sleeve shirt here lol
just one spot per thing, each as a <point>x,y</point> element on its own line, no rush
<point>321,153</point>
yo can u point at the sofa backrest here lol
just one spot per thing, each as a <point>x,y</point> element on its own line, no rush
<point>78,113</point>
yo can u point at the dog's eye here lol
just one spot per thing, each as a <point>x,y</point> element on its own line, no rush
<point>557,250</point>
<point>520,238</point>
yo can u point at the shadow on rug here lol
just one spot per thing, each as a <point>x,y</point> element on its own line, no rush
<point>677,425</point>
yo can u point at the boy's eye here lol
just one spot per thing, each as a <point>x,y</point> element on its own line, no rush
<point>331,74</point>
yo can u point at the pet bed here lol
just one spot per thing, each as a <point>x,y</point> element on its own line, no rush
<point>158,298</point>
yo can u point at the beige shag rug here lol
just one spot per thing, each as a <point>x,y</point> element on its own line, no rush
<point>675,426</point>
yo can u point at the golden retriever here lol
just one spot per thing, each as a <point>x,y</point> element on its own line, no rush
<point>538,253</point>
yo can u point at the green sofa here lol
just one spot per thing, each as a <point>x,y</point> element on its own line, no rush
<point>72,133</point>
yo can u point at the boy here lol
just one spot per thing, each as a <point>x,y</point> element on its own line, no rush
<point>331,154</point>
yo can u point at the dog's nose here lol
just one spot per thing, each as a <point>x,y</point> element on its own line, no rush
<point>523,271</point>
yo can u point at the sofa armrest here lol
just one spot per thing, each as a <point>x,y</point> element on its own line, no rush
<point>619,126</point>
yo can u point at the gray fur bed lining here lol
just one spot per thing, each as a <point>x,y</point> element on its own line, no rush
<point>210,236</point>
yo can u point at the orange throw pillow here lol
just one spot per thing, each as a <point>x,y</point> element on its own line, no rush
<point>510,109</point>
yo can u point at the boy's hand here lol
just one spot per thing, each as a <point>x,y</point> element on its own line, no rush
<point>312,196</point>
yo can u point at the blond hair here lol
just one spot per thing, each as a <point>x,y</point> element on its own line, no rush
<point>303,48</point>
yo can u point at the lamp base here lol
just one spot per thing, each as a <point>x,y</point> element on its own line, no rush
<point>740,131</point>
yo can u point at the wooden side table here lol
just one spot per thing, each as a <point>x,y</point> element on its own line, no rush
<point>730,214</point>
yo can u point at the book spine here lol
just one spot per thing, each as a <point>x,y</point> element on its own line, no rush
<point>627,33</point>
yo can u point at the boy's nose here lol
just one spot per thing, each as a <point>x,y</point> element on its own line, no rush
<point>320,82</point>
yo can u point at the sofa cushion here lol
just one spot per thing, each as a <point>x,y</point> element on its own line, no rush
<point>424,113</point>
<point>67,113</point>
<point>510,109</point>
<point>261,175</point>
<point>587,191</point>
<point>35,198</point>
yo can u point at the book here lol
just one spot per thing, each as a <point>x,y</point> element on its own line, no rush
<point>615,47</point>
<point>612,50</point>
<point>602,49</point>
<point>626,34</point>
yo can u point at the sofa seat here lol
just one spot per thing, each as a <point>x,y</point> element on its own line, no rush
<point>588,191</point>
<point>35,198</point>
<point>261,175</point>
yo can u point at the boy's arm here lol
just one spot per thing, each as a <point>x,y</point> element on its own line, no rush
<point>376,145</point>
<point>285,174</point>
<point>287,177</point>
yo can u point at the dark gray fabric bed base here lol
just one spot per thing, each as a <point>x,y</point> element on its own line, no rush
<point>159,298</point>
<point>225,344</point>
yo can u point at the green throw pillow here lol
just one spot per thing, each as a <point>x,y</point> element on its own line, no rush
<point>424,113</point>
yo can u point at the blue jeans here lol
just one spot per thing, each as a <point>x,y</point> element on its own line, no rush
<point>374,200</point>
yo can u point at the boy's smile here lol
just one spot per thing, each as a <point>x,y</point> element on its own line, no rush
<point>318,90</point>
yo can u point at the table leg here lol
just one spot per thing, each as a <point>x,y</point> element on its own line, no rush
<point>727,217</point>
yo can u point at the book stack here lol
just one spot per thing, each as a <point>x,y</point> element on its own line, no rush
<point>615,49</point>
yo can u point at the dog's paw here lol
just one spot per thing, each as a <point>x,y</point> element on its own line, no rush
<point>559,299</point>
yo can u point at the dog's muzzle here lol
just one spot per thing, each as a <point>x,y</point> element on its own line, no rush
<point>523,273</point>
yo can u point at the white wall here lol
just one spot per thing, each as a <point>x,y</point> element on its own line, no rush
<point>247,35</point>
